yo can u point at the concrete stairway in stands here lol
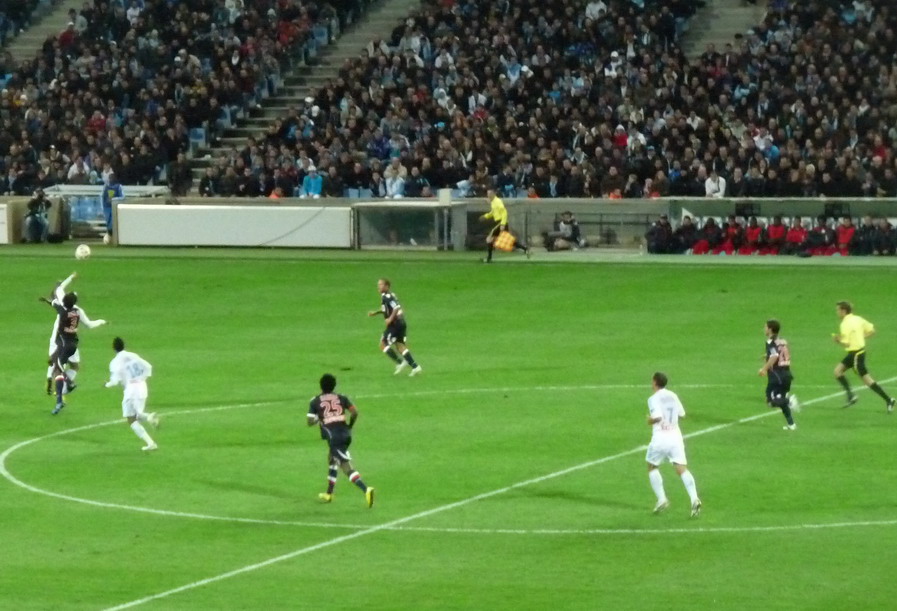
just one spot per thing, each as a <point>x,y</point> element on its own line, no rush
<point>719,23</point>
<point>26,45</point>
<point>378,22</point>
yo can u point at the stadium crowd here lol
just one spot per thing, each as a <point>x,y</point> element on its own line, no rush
<point>539,98</point>
<point>559,98</point>
<point>120,88</point>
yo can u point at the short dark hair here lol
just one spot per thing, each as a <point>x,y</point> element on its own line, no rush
<point>386,282</point>
<point>660,379</point>
<point>774,325</point>
<point>846,306</point>
<point>69,300</point>
<point>328,382</point>
<point>118,344</point>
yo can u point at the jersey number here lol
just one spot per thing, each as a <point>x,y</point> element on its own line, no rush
<point>333,411</point>
<point>135,370</point>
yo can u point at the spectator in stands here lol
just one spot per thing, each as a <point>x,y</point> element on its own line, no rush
<point>333,183</point>
<point>715,185</point>
<point>312,184</point>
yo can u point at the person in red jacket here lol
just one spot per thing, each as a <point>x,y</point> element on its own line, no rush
<point>796,238</point>
<point>733,237</point>
<point>709,236</point>
<point>753,238</point>
<point>821,238</point>
<point>775,236</point>
<point>845,236</point>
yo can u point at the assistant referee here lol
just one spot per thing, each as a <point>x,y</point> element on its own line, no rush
<point>852,335</point>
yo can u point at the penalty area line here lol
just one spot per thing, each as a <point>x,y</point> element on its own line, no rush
<point>391,525</point>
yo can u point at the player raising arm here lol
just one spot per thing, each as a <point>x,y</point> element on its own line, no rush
<point>75,360</point>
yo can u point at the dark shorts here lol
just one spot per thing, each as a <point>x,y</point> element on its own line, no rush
<point>856,360</point>
<point>338,439</point>
<point>395,332</point>
<point>496,230</point>
<point>778,384</point>
<point>64,351</point>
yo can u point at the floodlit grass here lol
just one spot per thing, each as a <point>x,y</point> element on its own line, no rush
<point>529,370</point>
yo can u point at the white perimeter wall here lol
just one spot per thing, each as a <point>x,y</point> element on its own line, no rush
<point>164,225</point>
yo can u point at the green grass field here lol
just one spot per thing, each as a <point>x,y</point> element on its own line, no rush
<point>509,475</point>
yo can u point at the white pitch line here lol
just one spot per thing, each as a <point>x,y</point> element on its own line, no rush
<point>199,516</point>
<point>436,510</point>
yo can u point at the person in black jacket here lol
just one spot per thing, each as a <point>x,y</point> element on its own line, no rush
<point>660,236</point>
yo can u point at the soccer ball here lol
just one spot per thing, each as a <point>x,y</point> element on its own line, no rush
<point>82,252</point>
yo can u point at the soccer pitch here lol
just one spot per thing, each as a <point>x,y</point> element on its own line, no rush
<point>509,475</point>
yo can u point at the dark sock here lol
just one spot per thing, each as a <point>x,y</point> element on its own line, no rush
<point>489,250</point>
<point>331,479</point>
<point>520,246</point>
<point>355,478</point>
<point>787,411</point>
<point>60,383</point>
<point>409,358</point>
<point>880,391</point>
<point>846,386</point>
<point>392,354</point>
<point>49,385</point>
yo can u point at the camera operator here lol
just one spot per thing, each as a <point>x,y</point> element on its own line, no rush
<point>37,223</point>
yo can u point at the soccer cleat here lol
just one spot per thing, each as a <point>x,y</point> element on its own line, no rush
<point>696,508</point>
<point>71,387</point>
<point>789,427</point>
<point>369,496</point>
<point>415,371</point>
<point>399,368</point>
<point>851,400</point>
<point>891,402</point>
<point>484,260</point>
<point>793,403</point>
<point>58,408</point>
<point>324,497</point>
<point>153,419</point>
<point>150,447</point>
<point>661,506</point>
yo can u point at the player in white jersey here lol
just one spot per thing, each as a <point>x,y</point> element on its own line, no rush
<point>664,411</point>
<point>131,371</point>
<point>74,360</point>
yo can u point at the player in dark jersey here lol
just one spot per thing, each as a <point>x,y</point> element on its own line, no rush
<point>328,411</point>
<point>66,341</point>
<point>396,329</point>
<point>777,369</point>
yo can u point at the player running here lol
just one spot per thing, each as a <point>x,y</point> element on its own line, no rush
<point>396,329</point>
<point>664,411</point>
<point>328,411</point>
<point>131,371</point>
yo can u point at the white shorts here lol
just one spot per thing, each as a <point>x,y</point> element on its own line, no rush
<point>662,449</point>
<point>134,401</point>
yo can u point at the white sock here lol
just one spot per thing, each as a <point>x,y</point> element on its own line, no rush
<point>656,480</point>
<point>50,371</point>
<point>141,432</point>
<point>70,374</point>
<point>142,417</point>
<point>689,481</point>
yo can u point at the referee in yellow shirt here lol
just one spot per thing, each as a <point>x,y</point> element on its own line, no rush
<point>852,335</point>
<point>499,214</point>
